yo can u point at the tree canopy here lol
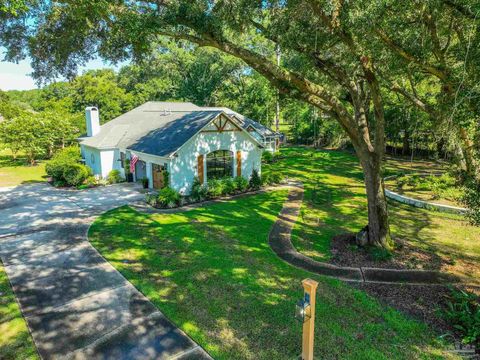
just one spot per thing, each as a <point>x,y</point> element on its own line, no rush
<point>373,66</point>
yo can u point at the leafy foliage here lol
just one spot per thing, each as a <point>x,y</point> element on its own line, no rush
<point>241,184</point>
<point>114,177</point>
<point>443,186</point>
<point>75,174</point>
<point>463,311</point>
<point>168,198</point>
<point>199,191</point>
<point>272,178</point>
<point>471,199</point>
<point>215,188</point>
<point>55,166</point>
<point>65,168</point>
<point>255,181</point>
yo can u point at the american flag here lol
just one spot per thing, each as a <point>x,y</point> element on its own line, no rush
<point>133,161</point>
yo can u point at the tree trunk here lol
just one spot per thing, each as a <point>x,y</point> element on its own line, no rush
<point>31,159</point>
<point>378,227</point>
<point>468,153</point>
<point>406,143</point>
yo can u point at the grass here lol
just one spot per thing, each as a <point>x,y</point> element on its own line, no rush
<point>335,203</point>
<point>15,172</point>
<point>212,272</point>
<point>15,339</point>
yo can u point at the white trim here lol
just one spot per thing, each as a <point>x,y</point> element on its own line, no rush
<point>215,118</point>
<point>98,148</point>
<point>139,153</point>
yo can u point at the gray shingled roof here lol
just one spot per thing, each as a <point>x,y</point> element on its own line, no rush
<point>153,128</point>
<point>160,128</point>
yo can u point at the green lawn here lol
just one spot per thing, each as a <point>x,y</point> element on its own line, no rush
<point>15,172</point>
<point>15,340</point>
<point>212,272</point>
<point>335,203</point>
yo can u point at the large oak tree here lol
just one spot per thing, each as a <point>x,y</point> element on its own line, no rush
<point>326,60</point>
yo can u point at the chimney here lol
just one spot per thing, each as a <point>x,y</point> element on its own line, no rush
<point>93,121</point>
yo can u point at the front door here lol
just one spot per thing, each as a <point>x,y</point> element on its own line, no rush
<point>158,172</point>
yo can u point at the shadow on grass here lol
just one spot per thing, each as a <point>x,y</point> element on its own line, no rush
<point>335,203</point>
<point>212,272</point>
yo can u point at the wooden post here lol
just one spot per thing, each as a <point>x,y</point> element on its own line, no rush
<point>310,289</point>
<point>239,163</point>
<point>200,169</point>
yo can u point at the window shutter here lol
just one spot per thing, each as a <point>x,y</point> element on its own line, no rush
<point>200,168</point>
<point>239,163</point>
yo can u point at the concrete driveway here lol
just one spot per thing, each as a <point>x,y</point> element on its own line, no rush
<point>75,303</point>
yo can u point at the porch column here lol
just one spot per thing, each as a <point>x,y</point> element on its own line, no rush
<point>148,165</point>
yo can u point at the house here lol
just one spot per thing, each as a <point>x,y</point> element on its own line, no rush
<point>269,138</point>
<point>177,140</point>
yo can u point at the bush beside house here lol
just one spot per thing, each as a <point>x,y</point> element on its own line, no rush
<point>215,188</point>
<point>114,177</point>
<point>65,168</point>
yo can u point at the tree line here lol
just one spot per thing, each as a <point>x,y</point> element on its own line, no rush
<point>372,66</point>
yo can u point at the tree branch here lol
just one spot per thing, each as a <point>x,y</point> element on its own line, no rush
<point>439,73</point>
<point>465,11</point>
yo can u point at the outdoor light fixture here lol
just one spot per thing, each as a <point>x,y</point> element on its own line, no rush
<point>305,312</point>
<point>302,308</point>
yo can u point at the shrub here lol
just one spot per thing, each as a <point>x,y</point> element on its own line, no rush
<point>277,177</point>
<point>144,181</point>
<point>471,199</point>
<point>215,188</point>
<point>228,186</point>
<point>151,199</point>
<point>255,182</point>
<point>267,157</point>
<point>168,198</point>
<point>91,181</point>
<point>199,191</point>
<point>267,179</point>
<point>55,168</point>
<point>114,177</point>
<point>272,178</point>
<point>463,311</point>
<point>241,184</point>
<point>166,178</point>
<point>75,174</point>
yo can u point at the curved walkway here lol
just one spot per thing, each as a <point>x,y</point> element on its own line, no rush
<point>280,242</point>
<point>76,305</point>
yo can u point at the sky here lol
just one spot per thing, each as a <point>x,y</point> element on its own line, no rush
<point>16,76</point>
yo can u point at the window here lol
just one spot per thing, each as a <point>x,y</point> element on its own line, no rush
<point>219,164</point>
<point>92,159</point>
<point>122,159</point>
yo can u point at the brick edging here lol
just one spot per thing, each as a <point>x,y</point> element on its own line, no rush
<point>280,242</point>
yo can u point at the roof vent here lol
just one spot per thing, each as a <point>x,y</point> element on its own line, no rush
<point>166,112</point>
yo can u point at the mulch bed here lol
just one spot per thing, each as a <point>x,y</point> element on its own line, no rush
<point>346,253</point>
